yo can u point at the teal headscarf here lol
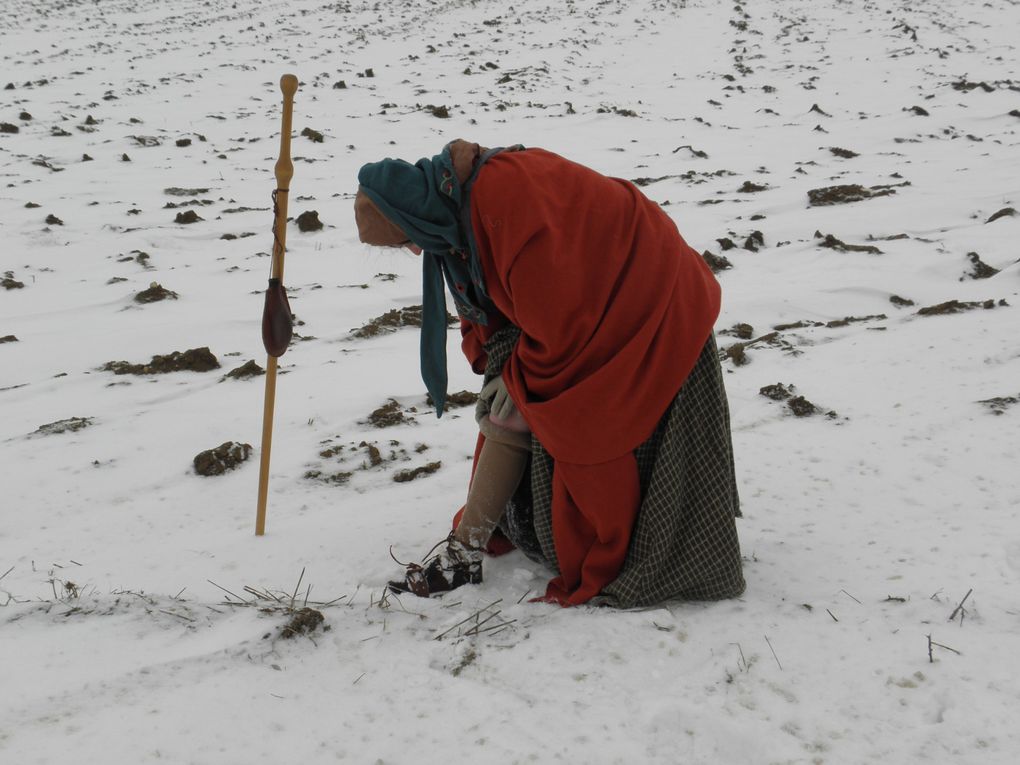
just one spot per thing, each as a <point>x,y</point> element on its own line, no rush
<point>424,200</point>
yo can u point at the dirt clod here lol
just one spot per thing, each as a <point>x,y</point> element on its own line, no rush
<point>954,306</point>
<point>8,339</point>
<point>749,188</point>
<point>801,407</point>
<point>843,153</point>
<point>70,425</point>
<point>53,220</point>
<point>155,293</point>
<point>10,283</point>
<point>845,194</point>
<point>736,353</point>
<point>246,371</point>
<point>776,392</point>
<point>828,240</point>
<point>226,456</point>
<point>188,216</point>
<point>176,191</point>
<point>456,400</point>
<point>393,320</point>
<point>309,221</point>
<point>1004,212</point>
<point>192,360</point>
<point>854,319</point>
<point>388,415</point>
<point>980,269</point>
<point>7,127</point>
<point>716,262</point>
<point>303,622</point>
<point>1000,404</point>
<point>901,301</point>
<point>402,476</point>
<point>337,479</point>
<point>375,458</point>
<point>742,331</point>
<point>312,135</point>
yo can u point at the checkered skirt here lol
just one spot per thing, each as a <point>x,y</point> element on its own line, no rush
<point>684,542</point>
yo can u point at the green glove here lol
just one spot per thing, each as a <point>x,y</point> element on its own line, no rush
<point>498,399</point>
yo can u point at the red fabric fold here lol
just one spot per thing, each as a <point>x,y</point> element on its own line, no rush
<point>614,308</point>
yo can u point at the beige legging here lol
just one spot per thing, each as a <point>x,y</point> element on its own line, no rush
<point>499,470</point>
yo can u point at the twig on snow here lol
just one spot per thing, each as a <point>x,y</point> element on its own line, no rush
<point>236,597</point>
<point>932,644</point>
<point>774,651</point>
<point>179,616</point>
<point>960,609</point>
<point>465,621</point>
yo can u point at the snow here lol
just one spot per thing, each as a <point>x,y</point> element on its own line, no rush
<point>129,626</point>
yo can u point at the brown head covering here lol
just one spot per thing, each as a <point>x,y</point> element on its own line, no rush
<point>374,227</point>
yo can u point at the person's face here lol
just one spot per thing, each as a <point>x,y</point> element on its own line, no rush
<point>375,229</point>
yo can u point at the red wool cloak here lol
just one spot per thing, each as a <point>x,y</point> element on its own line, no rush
<point>614,308</point>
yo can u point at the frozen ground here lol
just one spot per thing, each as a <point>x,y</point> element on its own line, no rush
<point>863,530</point>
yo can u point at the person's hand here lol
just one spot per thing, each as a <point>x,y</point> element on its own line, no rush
<point>500,404</point>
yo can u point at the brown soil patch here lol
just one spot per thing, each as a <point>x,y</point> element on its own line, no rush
<point>737,354</point>
<point>979,269</point>
<point>716,262</point>
<point>303,622</point>
<point>456,400</point>
<point>801,407</point>
<point>845,194</point>
<point>828,240</point>
<point>1004,212</point>
<point>402,476</point>
<point>155,293</point>
<point>8,339</point>
<point>901,301</point>
<point>393,320</point>
<point>388,415</point>
<point>1000,404</point>
<point>957,306</point>
<point>226,456</point>
<point>246,371</point>
<point>70,425</point>
<point>9,282</point>
<point>338,479</point>
<point>188,216</point>
<point>803,324</point>
<point>312,135</point>
<point>776,392</point>
<point>193,360</point>
<point>854,319</point>
<point>741,331</point>
<point>309,221</point>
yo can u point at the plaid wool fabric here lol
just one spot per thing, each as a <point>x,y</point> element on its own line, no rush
<point>684,543</point>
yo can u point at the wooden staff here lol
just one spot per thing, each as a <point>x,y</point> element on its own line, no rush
<point>277,320</point>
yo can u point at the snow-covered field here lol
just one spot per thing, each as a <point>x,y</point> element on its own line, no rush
<point>142,621</point>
